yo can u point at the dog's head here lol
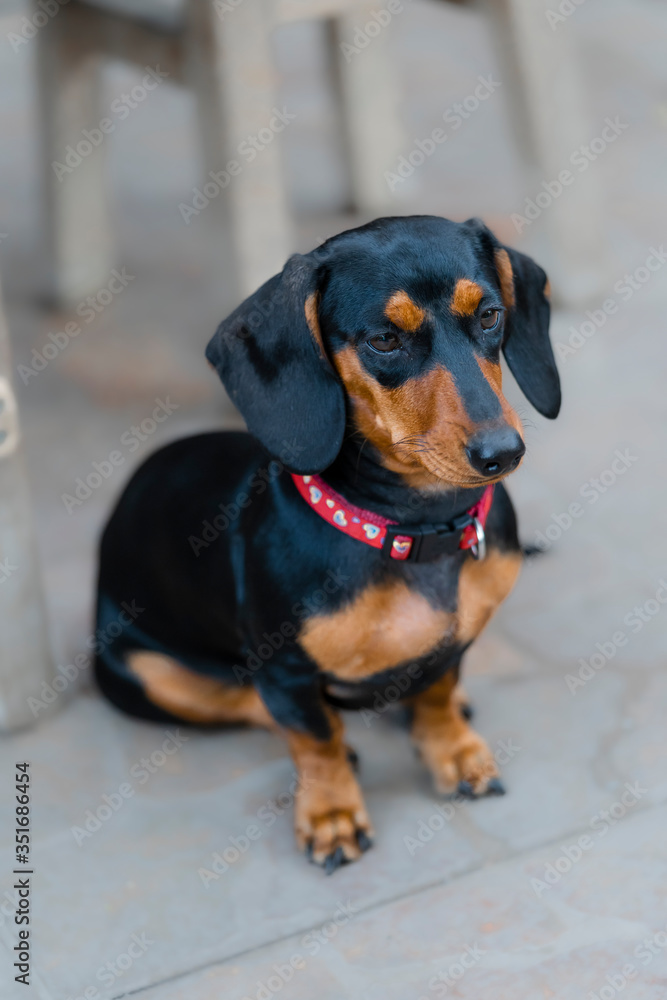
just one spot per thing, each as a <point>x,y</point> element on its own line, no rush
<point>398,324</point>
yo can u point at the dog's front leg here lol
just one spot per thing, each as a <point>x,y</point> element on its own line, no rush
<point>331,821</point>
<point>458,758</point>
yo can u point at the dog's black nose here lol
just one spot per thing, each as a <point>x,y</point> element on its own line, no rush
<point>495,452</point>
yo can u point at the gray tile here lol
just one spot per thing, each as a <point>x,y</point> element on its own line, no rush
<point>138,873</point>
<point>470,882</point>
<point>519,938</point>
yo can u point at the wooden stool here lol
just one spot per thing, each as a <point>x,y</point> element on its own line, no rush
<point>226,58</point>
<point>222,50</point>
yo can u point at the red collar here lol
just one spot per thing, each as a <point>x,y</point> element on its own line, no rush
<point>418,543</point>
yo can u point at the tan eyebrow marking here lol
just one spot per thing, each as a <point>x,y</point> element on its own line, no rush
<point>467,296</point>
<point>506,276</point>
<point>546,291</point>
<point>404,313</point>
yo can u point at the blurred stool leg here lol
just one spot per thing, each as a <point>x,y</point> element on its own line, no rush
<point>369,88</point>
<point>78,239</point>
<point>25,659</point>
<point>231,67</point>
<point>546,97</point>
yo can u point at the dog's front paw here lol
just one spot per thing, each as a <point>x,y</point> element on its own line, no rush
<point>332,834</point>
<point>464,764</point>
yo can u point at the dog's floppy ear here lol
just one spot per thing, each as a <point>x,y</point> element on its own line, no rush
<point>270,356</point>
<point>526,345</point>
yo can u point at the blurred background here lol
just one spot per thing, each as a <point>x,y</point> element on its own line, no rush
<point>159,161</point>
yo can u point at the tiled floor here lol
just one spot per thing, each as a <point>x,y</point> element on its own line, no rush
<point>493,900</point>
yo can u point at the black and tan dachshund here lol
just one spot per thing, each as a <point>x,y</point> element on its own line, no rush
<point>346,551</point>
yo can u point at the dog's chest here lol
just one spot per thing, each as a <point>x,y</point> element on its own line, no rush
<point>384,625</point>
<point>392,622</point>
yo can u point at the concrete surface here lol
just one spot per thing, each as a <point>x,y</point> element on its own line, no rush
<point>509,883</point>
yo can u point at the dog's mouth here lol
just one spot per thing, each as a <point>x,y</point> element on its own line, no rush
<point>452,467</point>
<point>446,472</point>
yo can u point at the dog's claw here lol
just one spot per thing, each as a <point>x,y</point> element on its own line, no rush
<point>495,787</point>
<point>466,790</point>
<point>334,861</point>
<point>363,840</point>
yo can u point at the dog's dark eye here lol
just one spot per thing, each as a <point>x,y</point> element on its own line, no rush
<point>490,319</point>
<point>385,342</point>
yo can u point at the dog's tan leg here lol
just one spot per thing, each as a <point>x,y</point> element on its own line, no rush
<point>193,697</point>
<point>454,753</point>
<point>330,816</point>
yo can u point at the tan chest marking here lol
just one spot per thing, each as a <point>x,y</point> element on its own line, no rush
<point>385,625</point>
<point>482,587</point>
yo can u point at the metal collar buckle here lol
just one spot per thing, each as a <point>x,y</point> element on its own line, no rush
<point>478,549</point>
